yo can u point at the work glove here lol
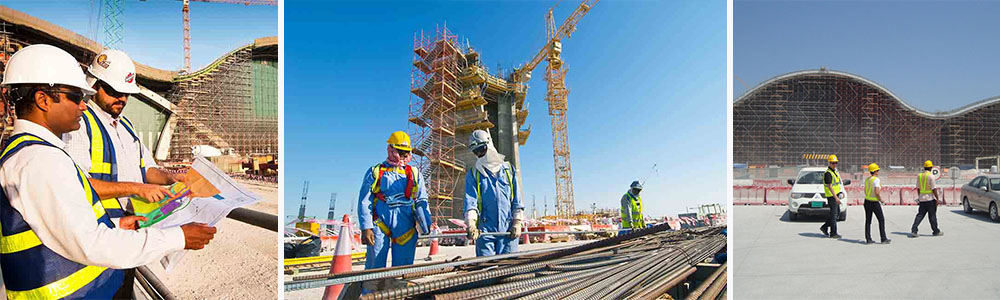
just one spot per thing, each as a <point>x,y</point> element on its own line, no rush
<point>368,237</point>
<point>471,217</point>
<point>515,229</point>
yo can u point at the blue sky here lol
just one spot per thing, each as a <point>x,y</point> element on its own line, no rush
<point>936,56</point>
<point>647,81</point>
<point>154,29</point>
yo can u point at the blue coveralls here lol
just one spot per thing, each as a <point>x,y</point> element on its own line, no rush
<point>499,202</point>
<point>397,212</point>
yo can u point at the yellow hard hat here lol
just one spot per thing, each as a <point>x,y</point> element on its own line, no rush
<point>400,140</point>
<point>832,158</point>
<point>928,164</point>
<point>872,167</point>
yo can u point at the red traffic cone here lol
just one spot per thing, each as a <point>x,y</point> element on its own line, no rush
<point>434,242</point>
<point>525,240</point>
<point>341,262</point>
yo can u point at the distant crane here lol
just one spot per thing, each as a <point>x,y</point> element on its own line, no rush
<point>556,96</point>
<point>333,205</point>
<point>302,207</point>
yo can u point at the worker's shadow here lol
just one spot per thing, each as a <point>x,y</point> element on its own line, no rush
<point>822,236</point>
<point>786,217</point>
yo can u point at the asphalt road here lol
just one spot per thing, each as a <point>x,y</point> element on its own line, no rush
<point>774,258</point>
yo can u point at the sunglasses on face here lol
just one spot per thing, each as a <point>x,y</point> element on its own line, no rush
<point>479,151</point>
<point>402,152</point>
<point>76,97</point>
<point>111,91</point>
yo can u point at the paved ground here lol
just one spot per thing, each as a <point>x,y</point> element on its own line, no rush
<point>774,258</point>
<point>444,252</point>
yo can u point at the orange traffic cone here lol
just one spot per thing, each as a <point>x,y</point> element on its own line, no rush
<point>341,262</point>
<point>525,240</point>
<point>434,242</point>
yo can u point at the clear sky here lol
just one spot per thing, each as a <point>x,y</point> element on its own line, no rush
<point>936,56</point>
<point>647,81</point>
<point>154,32</point>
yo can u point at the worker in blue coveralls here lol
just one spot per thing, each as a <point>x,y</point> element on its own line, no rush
<point>394,200</point>
<point>492,199</point>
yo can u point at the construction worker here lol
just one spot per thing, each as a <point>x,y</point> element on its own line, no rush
<point>393,199</point>
<point>927,199</point>
<point>492,199</point>
<point>58,241</point>
<point>873,205</point>
<point>107,145</point>
<point>833,191</point>
<point>632,208</point>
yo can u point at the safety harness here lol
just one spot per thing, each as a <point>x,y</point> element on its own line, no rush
<point>376,189</point>
<point>104,160</point>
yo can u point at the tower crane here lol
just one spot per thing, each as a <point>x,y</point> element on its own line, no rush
<point>186,10</point>
<point>555,76</point>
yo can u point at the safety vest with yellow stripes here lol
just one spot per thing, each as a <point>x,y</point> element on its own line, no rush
<point>104,160</point>
<point>635,208</point>
<point>479,186</point>
<point>870,189</point>
<point>33,271</point>
<point>923,181</point>
<point>412,189</point>
<point>836,184</point>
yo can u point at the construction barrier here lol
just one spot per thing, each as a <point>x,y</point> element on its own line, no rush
<point>855,195</point>
<point>777,195</point>
<point>748,195</point>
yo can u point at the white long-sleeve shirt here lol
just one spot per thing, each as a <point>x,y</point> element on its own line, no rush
<point>126,148</point>
<point>41,183</point>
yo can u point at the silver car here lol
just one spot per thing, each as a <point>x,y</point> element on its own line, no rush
<point>982,193</point>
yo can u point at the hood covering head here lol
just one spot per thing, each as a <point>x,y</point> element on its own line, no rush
<point>492,161</point>
<point>394,159</point>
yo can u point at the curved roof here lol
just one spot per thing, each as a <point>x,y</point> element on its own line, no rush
<point>91,47</point>
<point>935,115</point>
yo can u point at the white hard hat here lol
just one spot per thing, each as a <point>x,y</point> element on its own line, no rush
<point>479,138</point>
<point>636,185</point>
<point>44,64</point>
<point>116,69</point>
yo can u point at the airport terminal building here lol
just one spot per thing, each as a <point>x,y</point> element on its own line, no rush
<point>801,117</point>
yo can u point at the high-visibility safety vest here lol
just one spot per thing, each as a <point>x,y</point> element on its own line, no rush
<point>836,184</point>
<point>923,181</point>
<point>635,208</point>
<point>104,160</point>
<point>479,187</point>
<point>412,189</point>
<point>33,271</point>
<point>870,189</point>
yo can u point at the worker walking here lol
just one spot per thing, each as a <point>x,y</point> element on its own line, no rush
<point>873,205</point>
<point>58,239</point>
<point>492,199</point>
<point>393,199</point>
<point>833,191</point>
<point>107,145</point>
<point>632,209</point>
<point>928,200</point>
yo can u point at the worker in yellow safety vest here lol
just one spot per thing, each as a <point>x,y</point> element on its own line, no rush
<point>632,208</point>
<point>928,200</point>
<point>833,191</point>
<point>873,205</point>
<point>58,240</point>
<point>394,200</point>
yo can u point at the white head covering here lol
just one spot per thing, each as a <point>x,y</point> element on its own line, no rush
<point>493,160</point>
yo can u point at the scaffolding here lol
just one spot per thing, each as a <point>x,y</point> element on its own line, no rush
<point>227,105</point>
<point>791,116</point>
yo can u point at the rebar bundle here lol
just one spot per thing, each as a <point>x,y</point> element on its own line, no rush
<point>639,265</point>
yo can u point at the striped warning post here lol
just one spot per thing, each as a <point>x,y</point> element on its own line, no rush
<point>341,262</point>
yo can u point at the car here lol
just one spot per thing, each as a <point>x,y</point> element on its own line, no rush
<point>982,193</point>
<point>806,197</point>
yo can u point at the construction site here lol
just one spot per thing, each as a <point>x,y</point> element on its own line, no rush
<point>226,111</point>
<point>451,94</point>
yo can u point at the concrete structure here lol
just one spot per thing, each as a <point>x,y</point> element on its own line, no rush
<point>230,104</point>
<point>453,94</point>
<point>802,117</point>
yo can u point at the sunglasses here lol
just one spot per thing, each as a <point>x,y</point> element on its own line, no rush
<point>402,152</point>
<point>479,150</point>
<point>111,91</point>
<point>76,97</point>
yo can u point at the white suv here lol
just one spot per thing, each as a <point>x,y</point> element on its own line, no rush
<point>807,198</point>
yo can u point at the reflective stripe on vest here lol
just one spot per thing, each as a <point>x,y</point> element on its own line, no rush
<point>104,159</point>
<point>636,208</point>
<point>412,188</point>
<point>32,270</point>
<point>479,187</point>
<point>836,184</point>
<point>924,182</point>
<point>870,189</point>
